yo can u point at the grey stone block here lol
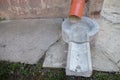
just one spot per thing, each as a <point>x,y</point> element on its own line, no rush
<point>27,40</point>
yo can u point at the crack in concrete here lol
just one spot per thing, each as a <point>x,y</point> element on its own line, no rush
<point>118,61</point>
<point>87,6</point>
<point>45,52</point>
<point>52,45</point>
<point>110,59</point>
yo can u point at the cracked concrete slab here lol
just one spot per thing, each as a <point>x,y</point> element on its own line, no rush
<point>26,41</point>
<point>111,10</point>
<point>105,52</point>
<point>56,55</point>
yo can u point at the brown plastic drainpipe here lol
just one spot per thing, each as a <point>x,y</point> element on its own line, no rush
<point>76,9</point>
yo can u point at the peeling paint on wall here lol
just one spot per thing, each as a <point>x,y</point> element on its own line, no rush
<point>12,9</point>
<point>15,9</point>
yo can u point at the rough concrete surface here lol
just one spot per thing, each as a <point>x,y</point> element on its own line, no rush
<point>111,10</point>
<point>105,53</point>
<point>27,40</point>
<point>56,55</point>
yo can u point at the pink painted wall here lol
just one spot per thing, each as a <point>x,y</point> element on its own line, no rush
<point>17,9</point>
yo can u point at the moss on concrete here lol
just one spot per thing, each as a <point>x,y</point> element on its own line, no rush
<point>1,19</point>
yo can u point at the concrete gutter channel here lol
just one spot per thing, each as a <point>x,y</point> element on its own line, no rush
<point>76,38</point>
<point>78,32</point>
